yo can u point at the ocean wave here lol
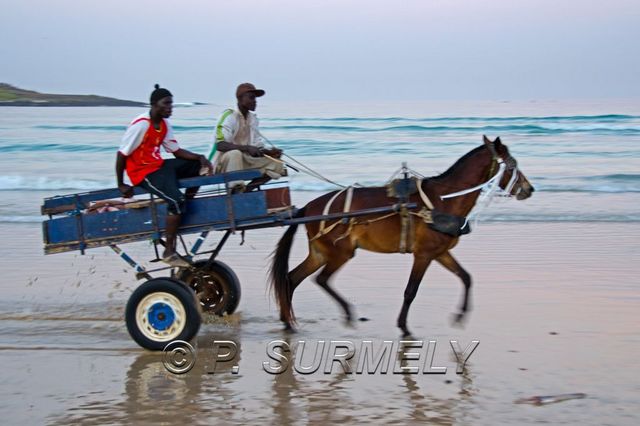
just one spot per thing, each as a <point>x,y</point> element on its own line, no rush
<point>118,128</point>
<point>45,183</point>
<point>605,118</point>
<point>572,118</point>
<point>597,124</point>
<point>612,183</point>
<point>524,129</point>
<point>71,147</point>
<point>609,189</point>
<point>560,217</point>
<point>625,177</point>
<point>542,184</point>
<point>20,219</point>
<point>59,147</point>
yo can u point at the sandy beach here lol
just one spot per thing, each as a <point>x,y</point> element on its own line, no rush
<point>355,94</point>
<point>554,309</point>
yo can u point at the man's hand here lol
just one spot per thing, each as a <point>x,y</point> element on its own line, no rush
<point>253,151</point>
<point>274,152</point>
<point>206,166</point>
<point>126,190</point>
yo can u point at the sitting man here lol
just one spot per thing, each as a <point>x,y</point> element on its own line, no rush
<point>140,155</point>
<point>241,146</point>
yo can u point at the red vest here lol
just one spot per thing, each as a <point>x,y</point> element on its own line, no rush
<point>146,158</point>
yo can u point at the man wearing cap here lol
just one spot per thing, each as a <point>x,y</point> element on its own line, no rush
<point>239,144</point>
<point>140,155</point>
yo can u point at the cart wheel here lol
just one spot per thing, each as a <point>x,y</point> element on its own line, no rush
<point>217,287</point>
<point>160,311</point>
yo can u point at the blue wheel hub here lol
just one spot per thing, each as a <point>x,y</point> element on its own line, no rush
<point>161,316</point>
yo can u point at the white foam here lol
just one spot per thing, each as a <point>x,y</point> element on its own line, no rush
<point>44,183</point>
<point>21,219</point>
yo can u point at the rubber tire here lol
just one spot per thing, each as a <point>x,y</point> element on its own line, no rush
<point>226,280</point>
<point>175,288</point>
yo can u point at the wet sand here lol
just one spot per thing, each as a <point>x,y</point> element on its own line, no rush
<point>555,308</point>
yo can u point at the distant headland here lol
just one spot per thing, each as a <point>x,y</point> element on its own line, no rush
<point>13,96</point>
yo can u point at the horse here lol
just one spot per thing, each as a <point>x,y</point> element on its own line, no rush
<point>330,247</point>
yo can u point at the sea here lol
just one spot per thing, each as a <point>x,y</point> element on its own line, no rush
<point>583,157</point>
<point>554,281</point>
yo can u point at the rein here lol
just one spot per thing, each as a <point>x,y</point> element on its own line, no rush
<point>488,185</point>
<point>490,188</point>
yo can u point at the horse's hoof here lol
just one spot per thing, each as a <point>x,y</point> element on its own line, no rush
<point>289,328</point>
<point>458,320</point>
<point>406,333</point>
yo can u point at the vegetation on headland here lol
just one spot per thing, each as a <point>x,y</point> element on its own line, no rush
<point>13,96</point>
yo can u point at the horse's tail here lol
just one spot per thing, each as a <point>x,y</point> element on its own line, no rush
<point>280,283</point>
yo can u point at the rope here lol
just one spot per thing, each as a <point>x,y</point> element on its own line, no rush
<point>308,170</point>
<point>304,168</point>
<point>368,221</point>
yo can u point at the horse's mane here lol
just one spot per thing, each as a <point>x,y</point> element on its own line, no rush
<point>458,163</point>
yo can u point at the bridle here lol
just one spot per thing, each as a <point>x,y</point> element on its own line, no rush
<point>491,188</point>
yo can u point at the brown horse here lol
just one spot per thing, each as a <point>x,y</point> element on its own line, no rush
<point>381,233</point>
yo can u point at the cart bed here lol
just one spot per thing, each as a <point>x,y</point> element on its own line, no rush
<point>71,226</point>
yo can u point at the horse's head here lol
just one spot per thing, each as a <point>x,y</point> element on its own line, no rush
<point>514,182</point>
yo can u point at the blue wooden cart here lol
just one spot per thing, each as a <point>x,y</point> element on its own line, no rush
<point>164,309</point>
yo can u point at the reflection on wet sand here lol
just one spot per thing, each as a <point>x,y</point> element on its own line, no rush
<point>329,399</point>
<point>432,410</point>
<point>286,393</point>
<point>323,401</point>
<point>153,395</point>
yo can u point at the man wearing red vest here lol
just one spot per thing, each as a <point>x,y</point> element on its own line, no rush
<point>140,156</point>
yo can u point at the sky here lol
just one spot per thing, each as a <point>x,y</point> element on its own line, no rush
<point>325,50</point>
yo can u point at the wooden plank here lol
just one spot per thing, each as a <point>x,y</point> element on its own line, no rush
<point>127,225</point>
<point>253,223</point>
<point>63,203</point>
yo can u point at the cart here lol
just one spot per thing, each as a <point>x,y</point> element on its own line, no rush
<point>168,308</point>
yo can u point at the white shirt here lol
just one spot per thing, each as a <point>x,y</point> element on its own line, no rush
<point>234,128</point>
<point>138,128</point>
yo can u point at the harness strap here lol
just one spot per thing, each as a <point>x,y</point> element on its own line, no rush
<point>324,230</point>
<point>327,207</point>
<point>424,214</point>
<point>368,221</point>
<point>423,196</point>
<point>352,223</point>
<point>490,183</point>
<point>405,220</point>
<point>348,199</point>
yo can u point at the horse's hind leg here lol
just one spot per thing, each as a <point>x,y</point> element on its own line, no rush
<point>312,263</point>
<point>450,263</point>
<point>333,264</point>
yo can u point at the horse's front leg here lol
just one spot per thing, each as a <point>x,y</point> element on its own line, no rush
<point>450,263</point>
<point>420,265</point>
